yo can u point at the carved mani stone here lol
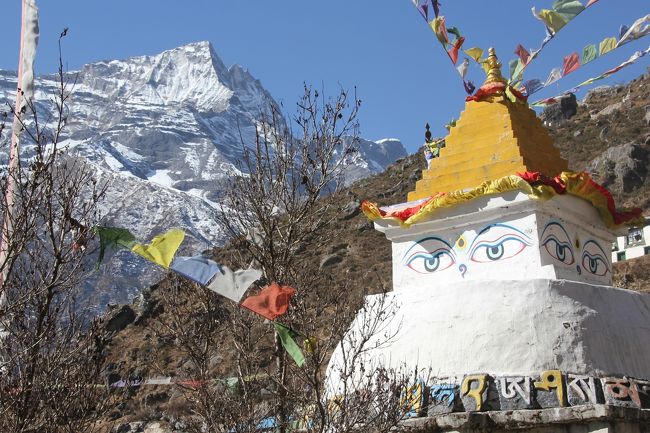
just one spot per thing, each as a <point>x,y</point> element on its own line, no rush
<point>413,400</point>
<point>626,392</point>
<point>444,398</point>
<point>583,390</point>
<point>550,390</point>
<point>515,392</point>
<point>478,393</point>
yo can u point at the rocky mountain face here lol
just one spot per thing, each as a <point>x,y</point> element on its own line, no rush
<point>164,131</point>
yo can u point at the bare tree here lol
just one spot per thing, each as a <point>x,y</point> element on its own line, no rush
<point>51,357</point>
<point>286,198</point>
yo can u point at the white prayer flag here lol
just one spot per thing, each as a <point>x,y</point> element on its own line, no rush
<point>233,285</point>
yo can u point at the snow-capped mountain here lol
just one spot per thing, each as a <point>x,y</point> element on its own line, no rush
<point>164,130</point>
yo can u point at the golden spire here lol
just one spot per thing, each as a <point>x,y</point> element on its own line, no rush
<point>494,71</point>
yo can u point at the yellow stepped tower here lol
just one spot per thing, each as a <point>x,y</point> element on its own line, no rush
<point>493,137</point>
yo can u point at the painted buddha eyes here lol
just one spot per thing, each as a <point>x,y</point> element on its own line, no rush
<point>495,242</point>
<point>557,243</point>
<point>594,259</point>
<point>498,242</point>
<point>434,255</point>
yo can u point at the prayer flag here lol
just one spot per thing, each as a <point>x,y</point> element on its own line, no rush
<point>436,7</point>
<point>551,19</point>
<point>532,86</point>
<point>591,2</point>
<point>592,80</point>
<point>607,45</point>
<point>475,53</point>
<point>454,31</point>
<point>568,8</point>
<point>633,58</point>
<point>570,64</point>
<point>199,269</point>
<point>555,75</point>
<point>453,51</point>
<point>589,53</point>
<point>462,68</point>
<point>113,237</point>
<point>233,285</point>
<point>29,41</point>
<point>523,55</point>
<point>424,11</point>
<point>622,30</point>
<point>286,337</point>
<point>469,86</point>
<point>516,69</point>
<point>162,248</point>
<point>272,301</point>
<point>639,28</point>
<point>438,27</point>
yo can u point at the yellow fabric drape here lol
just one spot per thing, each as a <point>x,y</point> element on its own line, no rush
<point>577,184</point>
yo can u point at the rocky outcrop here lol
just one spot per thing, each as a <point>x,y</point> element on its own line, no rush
<point>621,168</point>
<point>563,110</point>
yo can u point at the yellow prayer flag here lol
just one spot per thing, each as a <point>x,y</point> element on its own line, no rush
<point>553,20</point>
<point>475,53</point>
<point>607,45</point>
<point>162,248</point>
<point>438,27</point>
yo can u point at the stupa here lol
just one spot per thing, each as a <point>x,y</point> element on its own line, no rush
<point>502,282</point>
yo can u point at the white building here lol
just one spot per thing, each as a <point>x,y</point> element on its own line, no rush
<point>635,243</point>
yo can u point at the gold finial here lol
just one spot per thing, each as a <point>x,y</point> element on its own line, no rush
<point>494,69</point>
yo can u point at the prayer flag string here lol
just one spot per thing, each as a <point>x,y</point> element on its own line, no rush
<point>636,56</point>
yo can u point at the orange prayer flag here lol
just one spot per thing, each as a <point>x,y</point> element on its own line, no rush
<point>272,301</point>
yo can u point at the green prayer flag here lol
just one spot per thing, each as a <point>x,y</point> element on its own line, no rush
<point>592,80</point>
<point>113,237</point>
<point>516,69</point>
<point>607,45</point>
<point>589,53</point>
<point>454,31</point>
<point>568,8</point>
<point>286,337</point>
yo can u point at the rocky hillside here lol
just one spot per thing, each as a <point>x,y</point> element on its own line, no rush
<point>607,133</point>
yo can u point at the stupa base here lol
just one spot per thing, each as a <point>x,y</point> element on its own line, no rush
<point>578,419</point>
<point>511,345</point>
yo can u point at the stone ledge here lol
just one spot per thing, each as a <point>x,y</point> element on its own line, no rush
<point>522,419</point>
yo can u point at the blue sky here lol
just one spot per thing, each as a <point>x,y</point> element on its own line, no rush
<point>382,47</point>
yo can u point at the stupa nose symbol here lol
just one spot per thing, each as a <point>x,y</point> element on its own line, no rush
<point>462,268</point>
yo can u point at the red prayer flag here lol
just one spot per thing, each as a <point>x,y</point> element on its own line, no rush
<point>523,55</point>
<point>453,52</point>
<point>571,63</point>
<point>591,2</point>
<point>272,301</point>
